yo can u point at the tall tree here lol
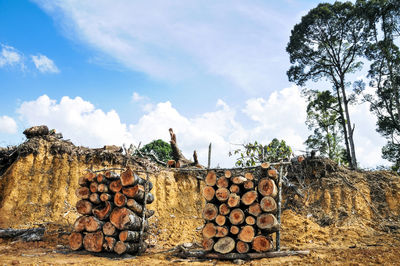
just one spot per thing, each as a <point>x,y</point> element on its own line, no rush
<point>324,120</point>
<point>383,17</point>
<point>327,44</point>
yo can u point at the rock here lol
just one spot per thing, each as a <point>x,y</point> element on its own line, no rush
<point>36,131</point>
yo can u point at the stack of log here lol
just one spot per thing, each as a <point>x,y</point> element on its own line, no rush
<point>240,210</point>
<point>114,214</point>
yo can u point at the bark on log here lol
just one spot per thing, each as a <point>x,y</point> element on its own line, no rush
<point>125,219</point>
<point>224,209</point>
<point>228,174</point>
<point>261,244</point>
<point>267,187</point>
<point>249,176</point>
<point>209,230</point>
<point>82,192</point>
<point>248,184</point>
<point>111,175</point>
<point>30,234</point>
<point>234,189</point>
<point>105,197</point>
<point>129,236</point>
<point>211,178</point>
<point>222,182</point>
<point>82,181</point>
<point>36,131</point>
<point>109,243</point>
<point>137,192</point>
<point>84,207</point>
<point>94,241</point>
<point>249,197</point>
<point>176,152</point>
<point>138,208</point>
<point>268,222</point>
<point>222,231</point>
<point>242,247</point>
<point>222,194</point>
<point>247,233</point>
<point>268,204</point>
<point>93,224</point>
<point>233,200</point>
<point>122,247</point>
<point>120,199</point>
<point>93,187</point>
<point>255,209</point>
<point>115,186</point>
<point>236,216</point>
<point>210,212</point>
<point>75,240</point>
<point>224,245</point>
<point>220,220</point>
<point>234,230</point>
<point>103,212</point>
<point>250,220</point>
<point>102,188</point>
<point>80,224</point>
<point>201,254</point>
<point>109,229</point>
<point>94,198</point>
<point>238,180</point>
<point>208,193</point>
<point>207,244</point>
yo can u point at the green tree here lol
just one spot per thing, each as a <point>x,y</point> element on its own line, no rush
<point>255,153</point>
<point>327,44</point>
<point>159,148</point>
<point>383,17</point>
<point>324,120</point>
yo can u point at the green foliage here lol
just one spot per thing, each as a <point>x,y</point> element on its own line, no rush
<point>160,148</point>
<point>391,152</point>
<point>254,153</point>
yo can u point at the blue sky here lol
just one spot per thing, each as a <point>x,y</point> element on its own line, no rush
<point>113,72</point>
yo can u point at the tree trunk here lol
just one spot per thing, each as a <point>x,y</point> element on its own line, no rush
<point>255,209</point>
<point>210,212</point>
<point>267,187</point>
<point>242,247</point>
<point>120,199</point>
<point>84,207</point>
<point>211,178</point>
<point>249,197</point>
<point>268,204</point>
<point>93,241</point>
<point>109,229</point>
<point>122,247</point>
<point>109,243</point>
<point>110,175</point>
<point>268,222</point>
<point>82,192</point>
<point>224,245</point>
<point>209,230</point>
<point>236,216</point>
<point>103,213</point>
<point>115,186</point>
<point>129,236</point>
<point>101,178</point>
<point>82,181</point>
<point>93,224</point>
<point>208,193</point>
<point>125,219</point>
<point>265,166</point>
<point>247,233</point>
<point>261,244</point>
<point>233,200</point>
<point>75,241</point>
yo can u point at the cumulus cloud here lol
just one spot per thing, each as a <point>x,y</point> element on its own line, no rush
<point>44,64</point>
<point>10,56</point>
<point>8,125</point>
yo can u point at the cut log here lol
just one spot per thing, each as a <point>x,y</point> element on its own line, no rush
<point>171,163</point>
<point>137,192</point>
<point>125,219</point>
<point>84,207</point>
<point>238,180</point>
<point>93,187</point>
<point>236,216</point>
<point>211,178</point>
<point>267,187</point>
<point>129,236</point>
<point>82,192</point>
<point>75,241</point>
<point>222,231</point>
<point>233,200</point>
<point>210,212</point>
<point>120,199</point>
<point>109,229</point>
<point>29,234</point>
<point>109,243</point>
<point>125,247</point>
<point>234,189</point>
<point>115,186</point>
<point>82,181</point>
<point>222,182</point>
<point>265,166</point>
<point>242,247</point>
<point>102,188</point>
<point>249,197</point>
<point>247,233</point>
<point>209,230</point>
<point>100,178</point>
<point>138,208</point>
<point>249,176</point>
<point>94,198</point>
<point>80,224</point>
<point>261,244</point>
<point>102,212</point>
<point>130,192</point>
<point>248,184</point>
<point>208,193</point>
<point>272,173</point>
<point>255,209</point>
<point>207,244</point>
<point>234,230</point>
<point>268,222</point>
<point>268,204</point>
<point>228,174</point>
<point>222,194</point>
<point>90,176</point>
<point>94,241</point>
<point>220,220</point>
<point>224,209</point>
<point>129,178</point>
<point>111,175</point>
<point>93,224</point>
<point>250,220</point>
<point>224,245</point>
<point>105,197</point>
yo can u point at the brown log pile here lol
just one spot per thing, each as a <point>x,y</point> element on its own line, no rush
<point>114,214</point>
<point>240,211</point>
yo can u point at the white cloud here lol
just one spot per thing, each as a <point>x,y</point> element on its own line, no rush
<point>7,125</point>
<point>10,56</point>
<point>44,64</point>
<point>136,97</point>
